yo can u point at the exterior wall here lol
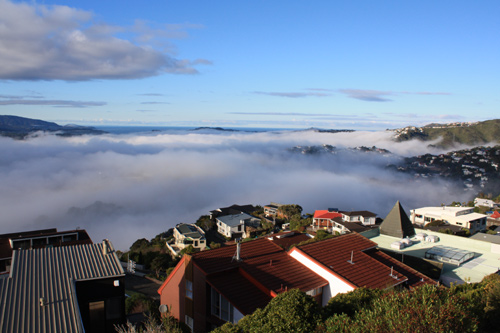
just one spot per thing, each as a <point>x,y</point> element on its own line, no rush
<point>335,284</point>
<point>110,293</point>
<point>174,292</point>
<point>368,220</point>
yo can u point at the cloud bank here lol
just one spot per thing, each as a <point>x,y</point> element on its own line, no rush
<point>42,42</point>
<point>125,187</point>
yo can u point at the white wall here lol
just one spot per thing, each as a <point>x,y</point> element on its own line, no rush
<point>335,284</point>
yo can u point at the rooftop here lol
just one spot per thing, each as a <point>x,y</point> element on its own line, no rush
<point>265,262</point>
<point>368,268</point>
<point>50,273</point>
<point>234,220</point>
<point>485,261</point>
<point>189,230</point>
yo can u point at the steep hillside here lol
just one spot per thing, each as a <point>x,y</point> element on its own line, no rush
<point>451,134</point>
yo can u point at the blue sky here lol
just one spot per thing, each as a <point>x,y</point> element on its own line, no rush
<point>292,64</point>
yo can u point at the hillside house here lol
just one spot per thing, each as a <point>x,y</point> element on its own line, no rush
<point>187,235</point>
<point>460,216</point>
<point>485,203</point>
<point>212,287</point>
<point>365,217</point>
<point>333,221</point>
<point>233,226</point>
<point>232,210</point>
<point>272,209</point>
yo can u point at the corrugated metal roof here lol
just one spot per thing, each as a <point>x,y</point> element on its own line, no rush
<point>50,273</point>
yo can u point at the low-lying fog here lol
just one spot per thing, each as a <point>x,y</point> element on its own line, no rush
<point>125,187</point>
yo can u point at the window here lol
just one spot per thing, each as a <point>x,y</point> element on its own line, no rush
<point>315,292</point>
<point>190,322</point>
<point>189,289</point>
<point>221,307</point>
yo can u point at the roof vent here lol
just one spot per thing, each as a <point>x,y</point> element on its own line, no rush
<point>352,257</point>
<point>237,256</point>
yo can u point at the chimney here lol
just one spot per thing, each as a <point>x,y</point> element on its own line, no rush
<point>104,247</point>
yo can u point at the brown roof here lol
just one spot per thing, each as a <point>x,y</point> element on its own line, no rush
<point>286,239</point>
<point>366,270</point>
<point>263,262</point>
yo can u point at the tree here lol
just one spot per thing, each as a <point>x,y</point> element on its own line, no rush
<point>140,245</point>
<point>288,211</point>
<point>160,262</point>
<point>291,311</point>
<point>205,222</point>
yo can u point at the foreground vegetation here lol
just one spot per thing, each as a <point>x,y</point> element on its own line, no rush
<point>471,307</point>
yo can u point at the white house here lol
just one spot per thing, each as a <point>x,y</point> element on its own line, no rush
<point>365,217</point>
<point>485,202</point>
<point>185,235</point>
<point>234,225</point>
<point>459,216</point>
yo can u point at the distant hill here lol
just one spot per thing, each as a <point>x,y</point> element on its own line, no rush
<point>19,127</point>
<point>477,133</point>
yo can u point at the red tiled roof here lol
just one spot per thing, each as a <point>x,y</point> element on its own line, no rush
<point>495,215</point>
<point>366,270</point>
<point>326,214</point>
<point>287,239</point>
<point>263,261</point>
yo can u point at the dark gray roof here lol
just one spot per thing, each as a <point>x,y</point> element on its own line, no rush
<point>189,230</point>
<point>50,273</point>
<point>363,213</point>
<point>397,223</point>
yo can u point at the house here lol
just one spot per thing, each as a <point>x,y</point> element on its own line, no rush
<point>186,235</point>
<point>485,203</point>
<point>37,239</point>
<point>233,226</point>
<point>363,216</point>
<point>333,221</point>
<point>272,209</point>
<point>212,287</point>
<point>75,288</point>
<point>460,216</point>
<point>232,210</point>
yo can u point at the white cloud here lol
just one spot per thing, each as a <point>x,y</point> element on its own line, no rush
<point>62,43</point>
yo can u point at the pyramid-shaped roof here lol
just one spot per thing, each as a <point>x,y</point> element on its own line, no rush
<point>495,215</point>
<point>397,223</point>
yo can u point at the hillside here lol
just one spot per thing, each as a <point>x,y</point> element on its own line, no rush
<point>19,127</point>
<point>478,133</point>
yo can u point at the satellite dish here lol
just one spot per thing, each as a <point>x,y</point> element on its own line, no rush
<point>163,308</point>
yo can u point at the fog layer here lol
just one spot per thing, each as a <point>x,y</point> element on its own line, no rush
<point>125,187</point>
